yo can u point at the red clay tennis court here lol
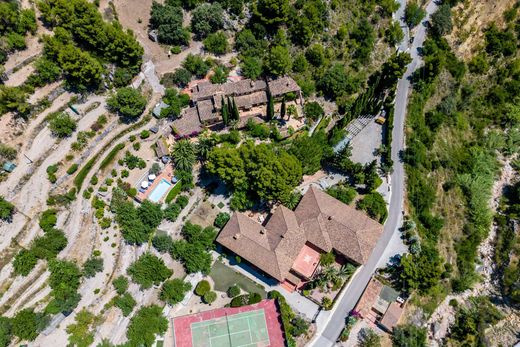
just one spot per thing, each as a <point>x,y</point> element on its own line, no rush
<point>255,325</point>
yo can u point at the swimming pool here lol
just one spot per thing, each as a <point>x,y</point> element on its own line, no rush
<point>159,191</point>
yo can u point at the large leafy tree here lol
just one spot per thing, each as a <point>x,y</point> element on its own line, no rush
<point>257,171</point>
<point>173,291</point>
<point>62,125</point>
<point>127,102</point>
<point>413,14</point>
<point>80,333</point>
<point>27,324</point>
<point>167,20</point>
<point>64,282</point>
<point>216,43</point>
<point>420,271</point>
<point>207,18</point>
<point>279,61</point>
<point>311,151</point>
<point>145,324</point>
<point>272,12</point>
<point>441,20</point>
<point>5,331</point>
<point>149,270</point>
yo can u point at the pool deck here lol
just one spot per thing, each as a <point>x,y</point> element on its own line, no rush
<point>166,173</point>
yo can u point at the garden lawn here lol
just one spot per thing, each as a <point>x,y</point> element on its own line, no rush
<point>224,277</point>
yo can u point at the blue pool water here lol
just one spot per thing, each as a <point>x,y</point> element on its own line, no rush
<point>159,191</point>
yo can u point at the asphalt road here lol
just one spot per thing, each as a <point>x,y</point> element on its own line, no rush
<point>348,301</point>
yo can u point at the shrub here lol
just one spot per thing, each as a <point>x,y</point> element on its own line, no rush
<point>162,243</point>
<point>254,298</point>
<point>126,303</point>
<point>120,284</point>
<point>216,43</point>
<point>202,288</point>
<point>240,300</point>
<point>233,291</point>
<point>24,262</point>
<point>6,209</point>
<point>92,266</point>
<point>209,297</point>
<point>73,168</point>
<point>182,201</point>
<point>48,219</point>
<point>221,219</point>
<point>326,302</point>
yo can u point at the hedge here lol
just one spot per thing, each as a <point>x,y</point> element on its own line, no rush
<point>82,174</point>
<point>73,168</point>
<point>173,192</point>
<point>287,315</point>
<point>110,157</point>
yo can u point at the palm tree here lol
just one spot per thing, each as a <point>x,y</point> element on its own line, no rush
<point>292,200</point>
<point>184,155</point>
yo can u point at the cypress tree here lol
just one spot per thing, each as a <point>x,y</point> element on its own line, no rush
<point>236,114</point>
<point>224,112</point>
<point>282,109</point>
<point>229,108</point>
<point>270,107</point>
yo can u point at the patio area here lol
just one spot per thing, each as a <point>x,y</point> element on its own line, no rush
<point>155,187</point>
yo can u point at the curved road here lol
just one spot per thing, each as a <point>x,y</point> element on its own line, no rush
<point>335,320</point>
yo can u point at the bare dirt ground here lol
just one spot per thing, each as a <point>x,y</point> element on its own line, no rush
<point>444,315</point>
<point>470,18</point>
<point>18,78</point>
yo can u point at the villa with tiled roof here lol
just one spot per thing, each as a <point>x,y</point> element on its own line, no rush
<point>288,245</point>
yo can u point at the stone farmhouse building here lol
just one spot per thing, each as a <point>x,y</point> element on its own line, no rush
<point>206,101</point>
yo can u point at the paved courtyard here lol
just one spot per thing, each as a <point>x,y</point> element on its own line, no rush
<point>366,143</point>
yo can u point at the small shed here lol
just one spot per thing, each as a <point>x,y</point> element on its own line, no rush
<point>9,166</point>
<point>161,149</point>
<point>158,108</point>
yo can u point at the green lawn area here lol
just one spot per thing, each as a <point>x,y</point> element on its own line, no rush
<point>224,277</point>
<point>173,192</point>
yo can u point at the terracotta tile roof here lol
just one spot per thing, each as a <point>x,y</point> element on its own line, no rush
<point>188,124</point>
<point>250,100</point>
<point>319,219</point>
<point>205,110</point>
<point>392,316</point>
<point>369,297</point>
<point>282,86</point>
<point>242,87</point>
<point>161,149</point>
<point>329,223</point>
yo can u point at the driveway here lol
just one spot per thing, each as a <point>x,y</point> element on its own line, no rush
<point>331,328</point>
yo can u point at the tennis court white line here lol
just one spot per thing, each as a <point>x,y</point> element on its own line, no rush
<point>239,316</point>
<point>232,318</point>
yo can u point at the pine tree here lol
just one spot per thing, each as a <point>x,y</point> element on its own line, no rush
<point>236,114</point>
<point>282,109</point>
<point>224,112</point>
<point>270,107</point>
